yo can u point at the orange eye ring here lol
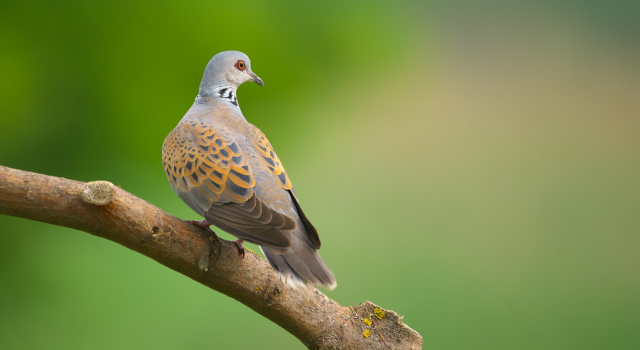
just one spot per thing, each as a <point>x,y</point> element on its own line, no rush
<point>241,65</point>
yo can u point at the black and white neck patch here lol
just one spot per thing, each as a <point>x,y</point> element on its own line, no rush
<point>227,94</point>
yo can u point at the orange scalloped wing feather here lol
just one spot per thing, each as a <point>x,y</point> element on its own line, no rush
<point>270,157</point>
<point>195,154</point>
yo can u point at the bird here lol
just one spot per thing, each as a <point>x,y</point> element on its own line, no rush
<point>225,169</point>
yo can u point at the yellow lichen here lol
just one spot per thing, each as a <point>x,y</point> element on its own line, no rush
<point>366,333</point>
<point>379,313</point>
<point>367,321</point>
<point>257,288</point>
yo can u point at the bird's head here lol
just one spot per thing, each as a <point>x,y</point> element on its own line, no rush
<point>231,68</point>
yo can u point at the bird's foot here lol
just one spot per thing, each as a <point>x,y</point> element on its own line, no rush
<point>203,224</point>
<point>238,242</point>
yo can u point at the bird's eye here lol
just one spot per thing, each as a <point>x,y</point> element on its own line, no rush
<point>240,65</point>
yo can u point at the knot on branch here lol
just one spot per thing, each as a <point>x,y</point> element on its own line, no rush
<point>97,192</point>
<point>274,291</point>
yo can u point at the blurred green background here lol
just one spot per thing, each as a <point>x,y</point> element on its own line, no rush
<point>472,166</point>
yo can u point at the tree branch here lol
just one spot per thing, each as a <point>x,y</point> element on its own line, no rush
<point>101,209</point>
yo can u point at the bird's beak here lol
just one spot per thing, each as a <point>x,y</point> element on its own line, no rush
<point>256,78</point>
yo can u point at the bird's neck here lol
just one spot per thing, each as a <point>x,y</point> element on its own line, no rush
<point>225,92</point>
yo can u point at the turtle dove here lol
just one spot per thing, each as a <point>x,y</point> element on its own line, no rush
<point>225,169</point>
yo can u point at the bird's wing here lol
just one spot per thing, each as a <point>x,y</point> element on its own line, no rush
<point>275,168</point>
<point>208,170</point>
<point>271,159</point>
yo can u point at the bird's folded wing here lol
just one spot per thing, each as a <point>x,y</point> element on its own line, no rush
<point>207,168</point>
<point>275,168</point>
<point>270,157</point>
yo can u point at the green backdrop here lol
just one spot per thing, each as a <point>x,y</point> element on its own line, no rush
<point>472,166</point>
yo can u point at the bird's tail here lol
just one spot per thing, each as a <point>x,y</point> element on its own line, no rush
<point>300,265</point>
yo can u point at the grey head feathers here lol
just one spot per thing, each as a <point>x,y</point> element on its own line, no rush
<point>224,73</point>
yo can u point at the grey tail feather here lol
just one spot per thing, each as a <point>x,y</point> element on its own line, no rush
<point>300,267</point>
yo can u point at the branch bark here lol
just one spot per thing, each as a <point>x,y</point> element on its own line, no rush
<point>104,210</point>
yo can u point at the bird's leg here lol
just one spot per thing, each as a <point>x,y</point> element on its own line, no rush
<point>203,224</point>
<point>238,242</point>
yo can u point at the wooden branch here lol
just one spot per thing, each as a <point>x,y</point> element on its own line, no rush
<point>101,209</point>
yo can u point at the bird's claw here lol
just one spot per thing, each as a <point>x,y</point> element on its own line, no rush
<point>238,242</point>
<point>203,224</point>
